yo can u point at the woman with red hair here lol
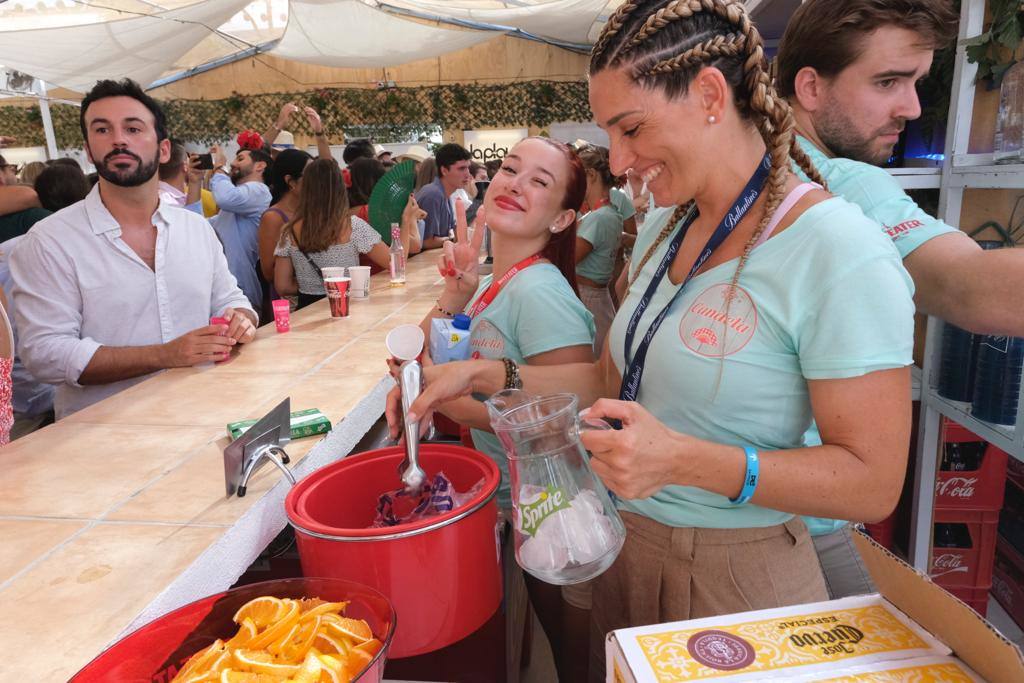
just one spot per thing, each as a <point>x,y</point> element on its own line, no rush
<point>527,309</point>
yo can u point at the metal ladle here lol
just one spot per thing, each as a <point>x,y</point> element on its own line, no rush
<point>410,471</point>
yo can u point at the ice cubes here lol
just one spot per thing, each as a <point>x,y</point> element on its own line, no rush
<point>575,535</point>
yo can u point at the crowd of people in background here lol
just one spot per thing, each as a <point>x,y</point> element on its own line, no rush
<point>280,215</point>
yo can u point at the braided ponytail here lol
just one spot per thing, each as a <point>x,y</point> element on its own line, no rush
<point>665,44</point>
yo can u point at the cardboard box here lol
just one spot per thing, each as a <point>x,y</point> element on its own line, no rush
<point>934,669</point>
<point>910,618</point>
<point>303,423</point>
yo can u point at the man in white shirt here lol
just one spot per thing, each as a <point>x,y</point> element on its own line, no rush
<point>121,285</point>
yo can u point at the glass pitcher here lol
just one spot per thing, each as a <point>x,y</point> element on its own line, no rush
<point>566,527</point>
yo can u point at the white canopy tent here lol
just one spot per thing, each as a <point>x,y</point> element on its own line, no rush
<point>72,43</point>
<point>350,33</point>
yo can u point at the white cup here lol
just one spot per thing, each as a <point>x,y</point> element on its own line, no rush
<point>333,272</point>
<point>405,342</point>
<point>360,287</point>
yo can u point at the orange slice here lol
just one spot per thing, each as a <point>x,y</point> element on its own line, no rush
<point>263,611</point>
<point>324,608</point>
<point>278,630</point>
<point>232,676</point>
<point>373,646</point>
<point>246,632</point>
<point>301,640</point>
<point>310,670</point>
<point>199,663</point>
<point>357,629</point>
<point>330,644</point>
<point>333,669</point>
<point>264,663</point>
<point>357,661</point>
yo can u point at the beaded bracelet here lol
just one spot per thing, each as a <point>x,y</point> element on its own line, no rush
<point>449,314</point>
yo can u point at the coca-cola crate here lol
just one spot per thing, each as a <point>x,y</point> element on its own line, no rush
<point>1008,580</point>
<point>1011,519</point>
<point>884,532</point>
<point>1015,471</point>
<point>979,488</point>
<point>975,598</point>
<point>970,563</point>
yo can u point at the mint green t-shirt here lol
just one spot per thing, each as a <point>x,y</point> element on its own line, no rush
<point>879,196</point>
<point>807,307</point>
<point>535,312</point>
<point>603,229</point>
<point>881,199</point>
<point>622,203</point>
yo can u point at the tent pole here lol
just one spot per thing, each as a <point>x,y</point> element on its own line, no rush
<point>44,110</point>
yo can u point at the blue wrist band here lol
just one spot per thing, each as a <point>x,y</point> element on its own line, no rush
<point>749,477</point>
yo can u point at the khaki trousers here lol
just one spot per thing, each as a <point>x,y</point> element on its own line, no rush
<point>670,574</point>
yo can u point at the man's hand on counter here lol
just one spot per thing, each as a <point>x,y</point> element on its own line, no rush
<point>240,325</point>
<point>201,345</point>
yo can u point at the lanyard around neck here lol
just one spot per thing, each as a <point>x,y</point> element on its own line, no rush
<point>634,370</point>
<point>492,292</point>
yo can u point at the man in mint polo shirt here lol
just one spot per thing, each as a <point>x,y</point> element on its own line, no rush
<point>849,68</point>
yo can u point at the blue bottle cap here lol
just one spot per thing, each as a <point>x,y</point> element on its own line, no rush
<point>461,321</point>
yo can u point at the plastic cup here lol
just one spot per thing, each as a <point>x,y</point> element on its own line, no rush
<point>282,315</point>
<point>333,272</point>
<point>405,342</point>
<point>337,295</point>
<point>360,276</point>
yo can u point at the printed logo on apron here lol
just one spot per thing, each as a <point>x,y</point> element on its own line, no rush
<point>706,330</point>
<point>486,341</point>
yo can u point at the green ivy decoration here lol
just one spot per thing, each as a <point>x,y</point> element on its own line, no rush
<point>235,103</point>
<point>994,50</point>
<point>394,113</point>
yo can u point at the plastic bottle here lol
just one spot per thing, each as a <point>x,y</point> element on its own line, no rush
<point>1009,147</point>
<point>397,257</point>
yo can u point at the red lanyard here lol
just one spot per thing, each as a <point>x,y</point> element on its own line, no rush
<point>492,292</point>
<point>601,203</point>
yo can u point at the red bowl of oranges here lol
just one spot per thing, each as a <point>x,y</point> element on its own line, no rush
<point>304,630</point>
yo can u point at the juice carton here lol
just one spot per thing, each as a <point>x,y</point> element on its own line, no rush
<point>449,339</point>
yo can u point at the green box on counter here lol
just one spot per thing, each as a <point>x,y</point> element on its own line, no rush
<point>304,423</point>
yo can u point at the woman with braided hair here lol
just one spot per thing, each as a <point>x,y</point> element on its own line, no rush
<point>752,315</point>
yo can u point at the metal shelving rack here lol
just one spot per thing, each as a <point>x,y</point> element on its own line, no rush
<point>960,171</point>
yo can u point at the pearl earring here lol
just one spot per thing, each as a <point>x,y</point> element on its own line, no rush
<point>553,228</point>
<point>712,119</point>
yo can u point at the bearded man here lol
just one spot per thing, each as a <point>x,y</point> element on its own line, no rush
<point>121,285</point>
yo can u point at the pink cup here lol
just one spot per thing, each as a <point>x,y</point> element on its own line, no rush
<point>282,315</point>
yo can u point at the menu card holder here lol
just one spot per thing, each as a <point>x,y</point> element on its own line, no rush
<point>260,444</point>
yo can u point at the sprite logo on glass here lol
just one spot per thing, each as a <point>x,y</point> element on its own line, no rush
<point>550,501</point>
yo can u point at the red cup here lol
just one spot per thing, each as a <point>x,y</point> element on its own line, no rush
<point>337,295</point>
<point>282,315</point>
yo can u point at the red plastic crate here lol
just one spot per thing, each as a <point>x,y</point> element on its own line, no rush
<point>1015,471</point>
<point>975,598</point>
<point>980,489</point>
<point>884,532</point>
<point>966,567</point>
<point>1008,580</point>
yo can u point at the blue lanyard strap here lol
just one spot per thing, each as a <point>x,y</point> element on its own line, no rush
<point>634,373</point>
